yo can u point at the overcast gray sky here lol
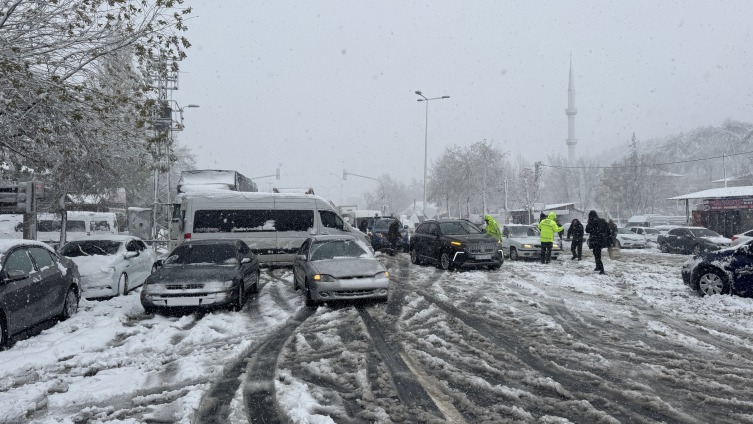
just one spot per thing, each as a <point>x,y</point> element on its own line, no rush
<point>322,86</point>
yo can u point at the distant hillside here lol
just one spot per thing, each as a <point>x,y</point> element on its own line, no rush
<point>702,142</point>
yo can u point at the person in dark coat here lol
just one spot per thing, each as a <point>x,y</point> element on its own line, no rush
<point>575,232</point>
<point>542,216</point>
<point>364,226</point>
<point>393,234</point>
<point>613,231</point>
<point>599,237</point>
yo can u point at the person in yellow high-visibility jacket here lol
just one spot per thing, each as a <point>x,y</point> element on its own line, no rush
<point>548,228</point>
<point>492,228</point>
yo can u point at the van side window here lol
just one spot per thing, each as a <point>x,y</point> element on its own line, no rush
<point>100,226</point>
<point>294,220</point>
<point>233,221</point>
<point>331,220</point>
<point>75,226</point>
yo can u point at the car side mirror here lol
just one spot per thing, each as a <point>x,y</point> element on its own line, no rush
<point>301,257</point>
<point>158,263</point>
<point>246,260</point>
<point>16,275</point>
<point>129,255</point>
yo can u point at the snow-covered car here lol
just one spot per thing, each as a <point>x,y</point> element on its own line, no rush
<point>338,268</point>
<point>522,241</point>
<point>695,240</point>
<point>379,231</point>
<point>650,234</point>
<point>454,244</point>
<point>628,239</point>
<point>725,271</point>
<point>742,238</point>
<point>203,273</point>
<point>36,284</point>
<point>110,265</point>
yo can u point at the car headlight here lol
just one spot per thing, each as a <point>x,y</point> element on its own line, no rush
<point>527,246</point>
<point>555,245</point>
<point>383,274</point>
<point>324,278</point>
<point>455,243</point>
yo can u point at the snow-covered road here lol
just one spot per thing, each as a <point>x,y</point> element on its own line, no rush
<point>527,343</point>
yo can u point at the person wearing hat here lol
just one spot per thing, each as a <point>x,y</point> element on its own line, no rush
<point>548,227</point>
<point>492,228</point>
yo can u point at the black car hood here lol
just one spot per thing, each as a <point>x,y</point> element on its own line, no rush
<point>473,238</point>
<point>192,273</point>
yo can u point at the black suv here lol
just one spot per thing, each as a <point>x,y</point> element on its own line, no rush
<point>454,244</point>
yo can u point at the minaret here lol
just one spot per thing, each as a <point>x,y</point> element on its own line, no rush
<point>571,111</point>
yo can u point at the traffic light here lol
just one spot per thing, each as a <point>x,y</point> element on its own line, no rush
<point>25,197</point>
<point>8,194</point>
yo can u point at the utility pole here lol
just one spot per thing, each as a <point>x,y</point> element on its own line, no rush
<point>164,78</point>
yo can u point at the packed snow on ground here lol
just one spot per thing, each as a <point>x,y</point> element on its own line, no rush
<point>537,343</point>
<point>111,361</point>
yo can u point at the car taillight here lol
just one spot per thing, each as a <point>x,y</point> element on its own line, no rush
<point>187,236</point>
<point>735,238</point>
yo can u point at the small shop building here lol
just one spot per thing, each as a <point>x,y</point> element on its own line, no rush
<point>728,211</point>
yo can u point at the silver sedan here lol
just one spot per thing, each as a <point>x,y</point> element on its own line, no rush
<point>338,268</point>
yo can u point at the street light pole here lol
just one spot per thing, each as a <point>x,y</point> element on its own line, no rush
<point>341,187</point>
<point>426,141</point>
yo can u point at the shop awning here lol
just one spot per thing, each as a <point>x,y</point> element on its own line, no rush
<point>717,193</point>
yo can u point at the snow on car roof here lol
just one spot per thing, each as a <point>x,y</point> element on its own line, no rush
<point>215,194</point>
<point>112,237</point>
<point>7,244</point>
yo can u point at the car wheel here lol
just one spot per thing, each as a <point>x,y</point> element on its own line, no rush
<point>71,304</point>
<point>3,335</point>
<point>309,301</point>
<point>697,249</point>
<point>494,267</point>
<point>664,247</point>
<point>414,257</point>
<point>514,254</point>
<point>123,284</point>
<point>712,281</point>
<point>241,296</point>
<point>255,287</point>
<point>445,262</point>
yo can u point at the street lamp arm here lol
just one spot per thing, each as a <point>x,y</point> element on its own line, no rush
<point>363,176</point>
<point>263,176</point>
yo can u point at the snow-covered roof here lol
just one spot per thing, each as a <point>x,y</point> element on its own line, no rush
<point>244,195</point>
<point>558,205</point>
<point>717,193</point>
<point>728,179</point>
<point>7,244</point>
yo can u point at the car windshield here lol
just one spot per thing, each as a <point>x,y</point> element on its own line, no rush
<point>90,248</point>
<point>203,254</point>
<point>383,223</point>
<point>334,249</point>
<point>703,232</point>
<point>459,227</point>
<point>522,231</point>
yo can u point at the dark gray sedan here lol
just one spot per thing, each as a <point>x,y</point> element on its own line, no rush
<point>338,268</point>
<point>35,285</point>
<point>203,273</point>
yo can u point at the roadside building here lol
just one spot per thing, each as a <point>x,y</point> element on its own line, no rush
<point>728,211</point>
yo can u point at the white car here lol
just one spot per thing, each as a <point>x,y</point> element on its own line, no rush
<point>742,238</point>
<point>629,239</point>
<point>651,234</point>
<point>522,241</point>
<point>110,265</point>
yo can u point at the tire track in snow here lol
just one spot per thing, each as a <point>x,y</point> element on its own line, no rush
<point>409,389</point>
<point>627,409</point>
<point>259,393</point>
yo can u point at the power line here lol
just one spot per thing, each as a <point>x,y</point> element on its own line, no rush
<point>650,164</point>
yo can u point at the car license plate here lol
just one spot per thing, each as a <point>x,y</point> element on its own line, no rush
<point>183,301</point>
<point>483,257</point>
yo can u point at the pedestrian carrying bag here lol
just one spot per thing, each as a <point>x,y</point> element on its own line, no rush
<point>614,252</point>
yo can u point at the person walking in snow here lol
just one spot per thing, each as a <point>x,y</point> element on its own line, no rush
<point>575,232</point>
<point>548,227</point>
<point>613,231</point>
<point>599,237</point>
<point>393,234</point>
<point>492,228</point>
